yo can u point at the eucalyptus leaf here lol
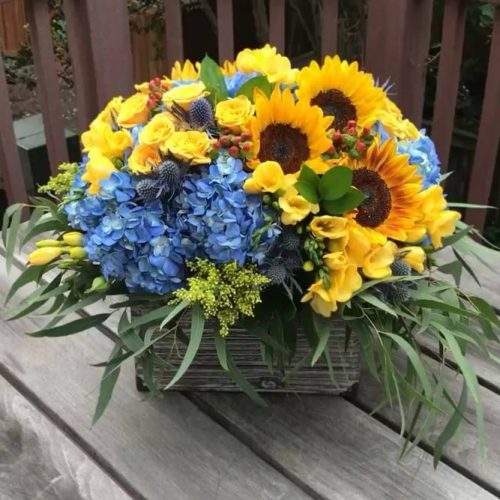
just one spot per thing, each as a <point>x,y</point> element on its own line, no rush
<point>76,326</point>
<point>323,329</point>
<point>220,348</point>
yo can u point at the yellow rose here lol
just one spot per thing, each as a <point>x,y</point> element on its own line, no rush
<point>184,95</point>
<point>73,239</point>
<point>191,146</point>
<point>234,113</point>
<point>329,226</point>
<point>110,112</point>
<point>98,168</point>
<point>267,61</point>
<point>143,158</point>
<point>43,256</point>
<point>268,176</point>
<point>110,143</point>
<point>295,207</point>
<point>344,282</point>
<point>443,225</point>
<point>157,131</point>
<point>377,263</point>
<point>392,119</point>
<point>322,301</point>
<point>134,111</point>
<point>414,257</point>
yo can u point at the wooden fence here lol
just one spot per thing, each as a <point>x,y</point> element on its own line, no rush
<point>397,46</point>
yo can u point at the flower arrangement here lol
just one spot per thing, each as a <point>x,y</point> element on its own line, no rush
<point>253,187</point>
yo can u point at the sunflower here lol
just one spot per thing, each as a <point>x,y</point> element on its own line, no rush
<point>286,131</point>
<point>392,208</point>
<point>341,90</point>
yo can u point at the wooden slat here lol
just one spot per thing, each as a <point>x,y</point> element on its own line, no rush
<point>462,452</point>
<point>80,50</point>
<point>483,170</point>
<point>163,448</point>
<point>173,32</point>
<point>277,24</point>
<point>450,59</point>
<point>336,449</point>
<point>111,52</point>
<point>10,163</point>
<point>37,13</point>
<point>225,30</point>
<point>31,442</point>
<point>329,27</point>
<point>385,41</point>
<point>416,39</point>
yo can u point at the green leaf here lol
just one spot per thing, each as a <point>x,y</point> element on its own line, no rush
<point>374,301</point>
<point>76,306</point>
<point>11,237</point>
<point>466,265</point>
<point>245,385</point>
<point>349,201</point>
<point>308,191</point>
<point>176,310</point>
<point>451,427</point>
<point>220,348</point>
<point>9,211</point>
<point>485,309</point>
<point>323,328</point>
<point>31,273</point>
<point>450,240</point>
<point>197,327</point>
<point>470,205</point>
<point>443,306</point>
<point>335,183</point>
<point>453,269</point>
<point>107,385</point>
<point>211,75</point>
<point>258,82</point>
<point>72,327</point>
<point>43,226</point>
<point>309,176</point>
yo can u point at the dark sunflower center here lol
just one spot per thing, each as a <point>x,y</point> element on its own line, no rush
<point>335,103</point>
<point>376,207</point>
<point>284,144</point>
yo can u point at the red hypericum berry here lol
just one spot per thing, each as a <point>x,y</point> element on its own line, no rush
<point>351,124</point>
<point>336,137</point>
<point>246,146</point>
<point>234,151</point>
<point>366,131</point>
<point>152,101</point>
<point>157,81</point>
<point>360,146</point>
<point>216,144</point>
<point>245,136</point>
<point>331,150</point>
<point>352,131</point>
<point>225,140</point>
<point>236,139</point>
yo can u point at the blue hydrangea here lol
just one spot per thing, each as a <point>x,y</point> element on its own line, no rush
<point>234,82</point>
<point>212,216</point>
<point>422,152</point>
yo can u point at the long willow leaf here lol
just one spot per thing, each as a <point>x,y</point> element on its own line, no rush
<point>72,327</point>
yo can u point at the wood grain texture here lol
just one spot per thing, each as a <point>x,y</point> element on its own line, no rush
<point>38,461</point>
<point>463,451</point>
<point>337,449</point>
<point>225,30</point>
<point>277,24</point>
<point>158,447</point>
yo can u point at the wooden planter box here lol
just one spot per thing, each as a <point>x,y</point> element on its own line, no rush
<point>206,374</point>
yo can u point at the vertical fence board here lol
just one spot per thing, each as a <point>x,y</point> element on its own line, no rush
<point>10,163</point>
<point>329,27</point>
<point>47,81</point>
<point>277,24</point>
<point>75,13</point>
<point>12,21</point>
<point>111,52</point>
<point>225,29</point>
<point>417,39</point>
<point>454,18</point>
<point>385,41</point>
<point>173,32</point>
<point>483,169</point>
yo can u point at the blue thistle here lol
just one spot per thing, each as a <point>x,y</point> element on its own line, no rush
<point>201,115</point>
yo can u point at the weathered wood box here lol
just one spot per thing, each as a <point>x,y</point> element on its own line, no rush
<point>206,374</point>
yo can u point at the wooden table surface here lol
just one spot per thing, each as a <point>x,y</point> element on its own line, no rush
<point>213,446</point>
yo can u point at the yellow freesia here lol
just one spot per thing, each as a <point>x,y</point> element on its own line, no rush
<point>191,146</point>
<point>234,113</point>
<point>295,207</point>
<point>97,169</point>
<point>322,301</point>
<point>443,225</point>
<point>43,256</point>
<point>377,263</point>
<point>414,257</point>
<point>110,112</point>
<point>268,177</point>
<point>329,226</point>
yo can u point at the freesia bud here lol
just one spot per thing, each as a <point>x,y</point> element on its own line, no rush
<point>48,243</point>
<point>77,253</point>
<point>43,256</point>
<point>99,284</point>
<point>73,239</point>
